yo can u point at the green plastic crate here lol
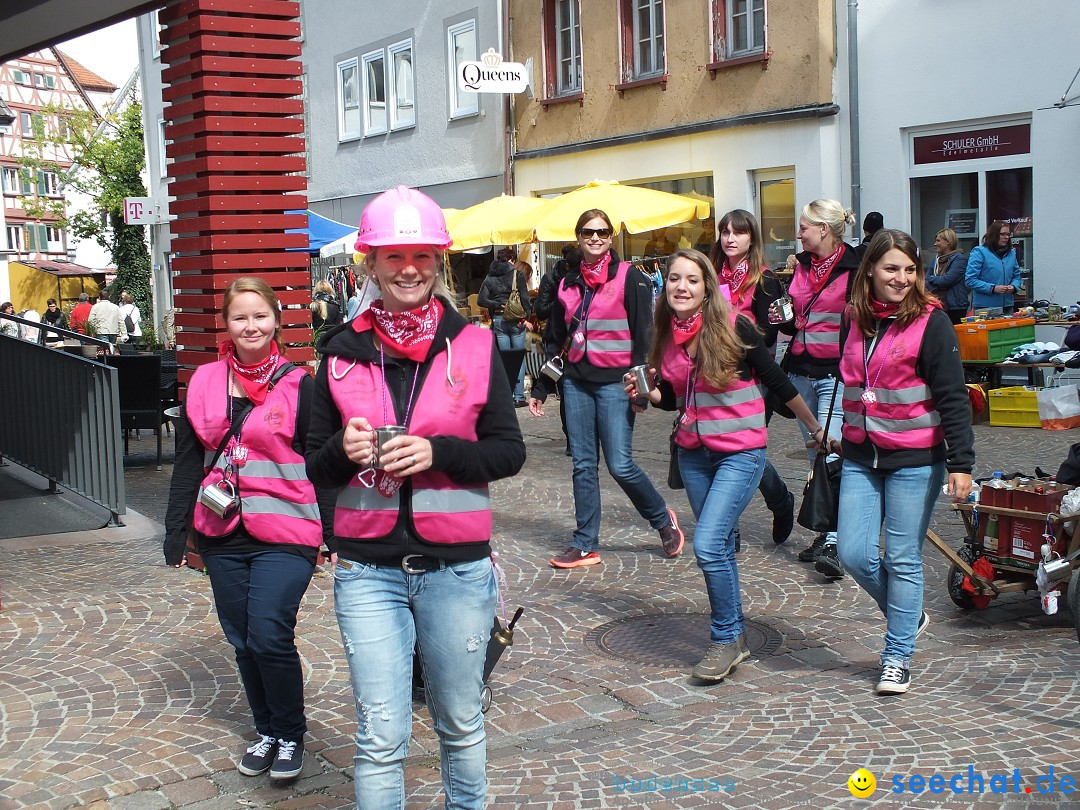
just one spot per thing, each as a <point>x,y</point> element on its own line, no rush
<point>993,341</point>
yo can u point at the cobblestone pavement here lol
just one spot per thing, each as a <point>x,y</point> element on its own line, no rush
<point>118,690</point>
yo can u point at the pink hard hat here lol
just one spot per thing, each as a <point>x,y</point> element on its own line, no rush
<point>402,216</point>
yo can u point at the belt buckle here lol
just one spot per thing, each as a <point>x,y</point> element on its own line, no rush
<point>406,564</point>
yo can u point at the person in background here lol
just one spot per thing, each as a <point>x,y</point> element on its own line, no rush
<point>993,272</point>
<point>907,422</point>
<point>129,311</point>
<point>80,314</point>
<point>509,333</point>
<point>364,293</point>
<point>244,427</point>
<point>168,328</point>
<point>947,280</point>
<point>9,328</point>
<point>30,333</point>
<point>713,363</point>
<point>413,576</point>
<point>819,292</point>
<point>739,259</point>
<point>871,224</point>
<point>54,316</point>
<point>601,321</point>
<point>325,310</point>
<point>105,318</point>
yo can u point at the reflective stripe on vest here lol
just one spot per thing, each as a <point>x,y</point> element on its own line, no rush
<point>442,511</point>
<point>603,335</point>
<point>277,501</point>
<point>819,335</point>
<point>903,415</point>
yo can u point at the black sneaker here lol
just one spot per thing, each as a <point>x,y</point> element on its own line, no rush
<point>671,536</point>
<point>828,563</point>
<point>783,520</point>
<point>738,540</point>
<point>811,552</point>
<point>259,757</point>
<point>894,680</point>
<point>924,621</point>
<point>289,761</point>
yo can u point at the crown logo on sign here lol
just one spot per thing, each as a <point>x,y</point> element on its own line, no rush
<point>491,58</point>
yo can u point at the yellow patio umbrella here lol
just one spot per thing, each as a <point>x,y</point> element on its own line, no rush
<point>502,220</point>
<point>633,208</point>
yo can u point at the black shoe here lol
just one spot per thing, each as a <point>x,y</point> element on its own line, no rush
<point>924,622</point>
<point>811,552</point>
<point>738,540</point>
<point>894,680</point>
<point>828,563</point>
<point>289,761</point>
<point>259,757</point>
<point>783,520</point>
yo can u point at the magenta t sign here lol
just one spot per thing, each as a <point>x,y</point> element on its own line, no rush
<point>139,211</point>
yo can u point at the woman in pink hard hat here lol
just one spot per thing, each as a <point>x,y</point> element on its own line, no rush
<point>413,518</point>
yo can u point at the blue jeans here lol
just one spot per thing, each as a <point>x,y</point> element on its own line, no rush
<point>257,595</point>
<point>601,412</point>
<point>507,338</point>
<point>772,487</point>
<point>902,500</point>
<point>719,486</point>
<point>383,614</point>
<point>817,394</point>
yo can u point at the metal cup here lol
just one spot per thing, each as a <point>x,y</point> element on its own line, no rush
<point>220,498</point>
<point>382,436</point>
<point>553,369</point>
<point>643,380</point>
<point>1058,569</point>
<point>786,309</point>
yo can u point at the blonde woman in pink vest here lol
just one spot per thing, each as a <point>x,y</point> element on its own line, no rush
<point>239,480</point>
<point>907,424</point>
<point>713,363</point>
<point>600,327</point>
<point>819,292</point>
<point>413,418</point>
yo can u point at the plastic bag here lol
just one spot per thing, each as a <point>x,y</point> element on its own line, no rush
<point>1059,408</point>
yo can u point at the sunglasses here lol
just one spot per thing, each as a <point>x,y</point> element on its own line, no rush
<point>588,233</point>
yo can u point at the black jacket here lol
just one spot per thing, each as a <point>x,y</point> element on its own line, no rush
<point>495,290</point>
<point>333,312</point>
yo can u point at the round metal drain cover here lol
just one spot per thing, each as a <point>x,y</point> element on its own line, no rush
<point>672,639</point>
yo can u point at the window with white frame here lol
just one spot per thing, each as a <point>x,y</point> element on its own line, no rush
<point>44,80</point>
<point>48,183</point>
<point>348,95</point>
<point>15,237</point>
<point>738,29</point>
<point>55,236</point>
<point>373,74</point>
<point>643,55</point>
<point>21,77</point>
<point>562,48</point>
<point>401,85</point>
<point>12,181</point>
<point>26,126</point>
<point>461,47</point>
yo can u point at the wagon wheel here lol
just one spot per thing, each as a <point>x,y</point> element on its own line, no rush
<point>1074,600</point>
<point>954,581</point>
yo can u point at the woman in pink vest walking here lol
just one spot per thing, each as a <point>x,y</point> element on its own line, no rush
<point>413,518</point>
<point>600,327</point>
<point>819,292</point>
<point>239,478</point>
<point>907,423</point>
<point>713,363</point>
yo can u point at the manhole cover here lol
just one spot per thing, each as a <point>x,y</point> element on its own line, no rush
<point>671,639</point>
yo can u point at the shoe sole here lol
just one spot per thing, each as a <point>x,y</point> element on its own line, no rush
<point>249,772</point>
<point>580,564</point>
<point>892,688</point>
<point>742,657</point>
<point>828,570</point>
<point>286,774</point>
<point>682,537</point>
<point>922,627</point>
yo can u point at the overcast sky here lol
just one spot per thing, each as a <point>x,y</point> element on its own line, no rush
<point>112,53</point>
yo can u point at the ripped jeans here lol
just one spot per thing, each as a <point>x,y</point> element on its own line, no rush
<point>383,614</point>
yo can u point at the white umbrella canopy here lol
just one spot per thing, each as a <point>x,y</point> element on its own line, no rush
<point>344,245</point>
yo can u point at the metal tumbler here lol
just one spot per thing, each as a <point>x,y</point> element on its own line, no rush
<point>643,380</point>
<point>382,436</point>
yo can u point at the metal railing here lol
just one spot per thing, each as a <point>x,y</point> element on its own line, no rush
<point>60,417</point>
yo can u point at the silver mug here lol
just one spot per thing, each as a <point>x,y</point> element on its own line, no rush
<point>785,307</point>
<point>382,436</point>
<point>220,498</point>
<point>553,369</point>
<point>643,380</point>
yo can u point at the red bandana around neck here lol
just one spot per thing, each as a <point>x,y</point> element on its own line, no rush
<point>684,331</point>
<point>735,278</point>
<point>595,274</point>
<point>882,311</point>
<point>409,333</point>
<point>254,378</point>
<point>820,268</point>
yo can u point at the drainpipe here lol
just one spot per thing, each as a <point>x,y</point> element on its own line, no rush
<point>853,106</point>
<point>503,7</point>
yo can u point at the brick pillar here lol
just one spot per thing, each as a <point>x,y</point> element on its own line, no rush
<point>231,70</point>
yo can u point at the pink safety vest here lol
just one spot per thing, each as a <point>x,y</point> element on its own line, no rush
<point>727,421</point>
<point>451,397</point>
<point>604,331</point>
<point>818,332</point>
<point>903,415</point>
<point>277,501</point>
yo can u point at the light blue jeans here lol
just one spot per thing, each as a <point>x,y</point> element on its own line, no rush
<point>902,501</point>
<point>596,412</point>
<point>508,338</point>
<point>817,394</point>
<point>719,486</point>
<point>383,613</point>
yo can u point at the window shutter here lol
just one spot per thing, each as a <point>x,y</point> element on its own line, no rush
<point>43,237</point>
<point>41,183</point>
<point>27,186</point>
<point>31,242</point>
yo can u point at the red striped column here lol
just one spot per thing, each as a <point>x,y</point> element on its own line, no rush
<point>231,70</point>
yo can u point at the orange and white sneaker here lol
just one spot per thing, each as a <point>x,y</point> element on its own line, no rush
<point>575,558</point>
<point>671,536</point>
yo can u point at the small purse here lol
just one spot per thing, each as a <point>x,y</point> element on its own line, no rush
<point>820,506</point>
<point>674,476</point>
<point>513,310</point>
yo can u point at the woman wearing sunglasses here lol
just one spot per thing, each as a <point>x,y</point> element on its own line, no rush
<point>600,327</point>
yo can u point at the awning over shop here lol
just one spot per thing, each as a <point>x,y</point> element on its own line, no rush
<point>320,231</point>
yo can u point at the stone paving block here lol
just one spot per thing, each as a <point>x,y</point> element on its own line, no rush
<point>143,800</point>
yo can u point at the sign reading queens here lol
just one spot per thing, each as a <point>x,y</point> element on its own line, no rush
<point>492,75</point>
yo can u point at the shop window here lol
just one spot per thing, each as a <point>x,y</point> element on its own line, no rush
<point>946,201</point>
<point>775,191</point>
<point>642,53</point>
<point>373,71</point>
<point>562,48</point>
<point>402,84</point>
<point>348,99</point>
<point>659,243</point>
<point>461,47</point>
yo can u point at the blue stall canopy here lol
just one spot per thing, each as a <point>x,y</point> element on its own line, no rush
<point>320,231</point>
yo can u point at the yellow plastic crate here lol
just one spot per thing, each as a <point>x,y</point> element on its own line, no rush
<point>1015,406</point>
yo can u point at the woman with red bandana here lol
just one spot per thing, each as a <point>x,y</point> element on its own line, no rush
<point>600,327</point>
<point>413,518</point>
<point>239,479</point>
<point>907,423</point>
<point>819,292</point>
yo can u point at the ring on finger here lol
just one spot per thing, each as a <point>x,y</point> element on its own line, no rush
<point>412,461</point>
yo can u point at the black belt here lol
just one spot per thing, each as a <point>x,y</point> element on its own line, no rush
<point>419,564</point>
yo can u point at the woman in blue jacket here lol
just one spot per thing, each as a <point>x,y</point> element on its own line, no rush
<point>946,279</point>
<point>993,273</point>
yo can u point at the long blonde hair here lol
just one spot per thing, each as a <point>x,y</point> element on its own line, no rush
<point>720,350</point>
<point>255,285</point>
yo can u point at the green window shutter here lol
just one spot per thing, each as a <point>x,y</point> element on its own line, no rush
<point>41,183</point>
<point>27,186</point>
<point>43,237</point>
<point>31,242</point>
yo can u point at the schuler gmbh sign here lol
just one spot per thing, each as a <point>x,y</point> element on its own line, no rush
<point>492,75</point>
<point>972,144</point>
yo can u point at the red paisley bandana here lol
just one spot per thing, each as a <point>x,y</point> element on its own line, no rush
<point>735,278</point>
<point>684,331</point>
<point>254,378</point>
<point>882,311</point>
<point>820,268</point>
<point>595,274</point>
<point>409,333</point>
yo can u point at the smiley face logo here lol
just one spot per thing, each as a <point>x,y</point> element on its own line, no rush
<point>862,784</point>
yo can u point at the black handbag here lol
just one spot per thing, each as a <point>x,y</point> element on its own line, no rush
<point>820,506</point>
<point>674,476</point>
